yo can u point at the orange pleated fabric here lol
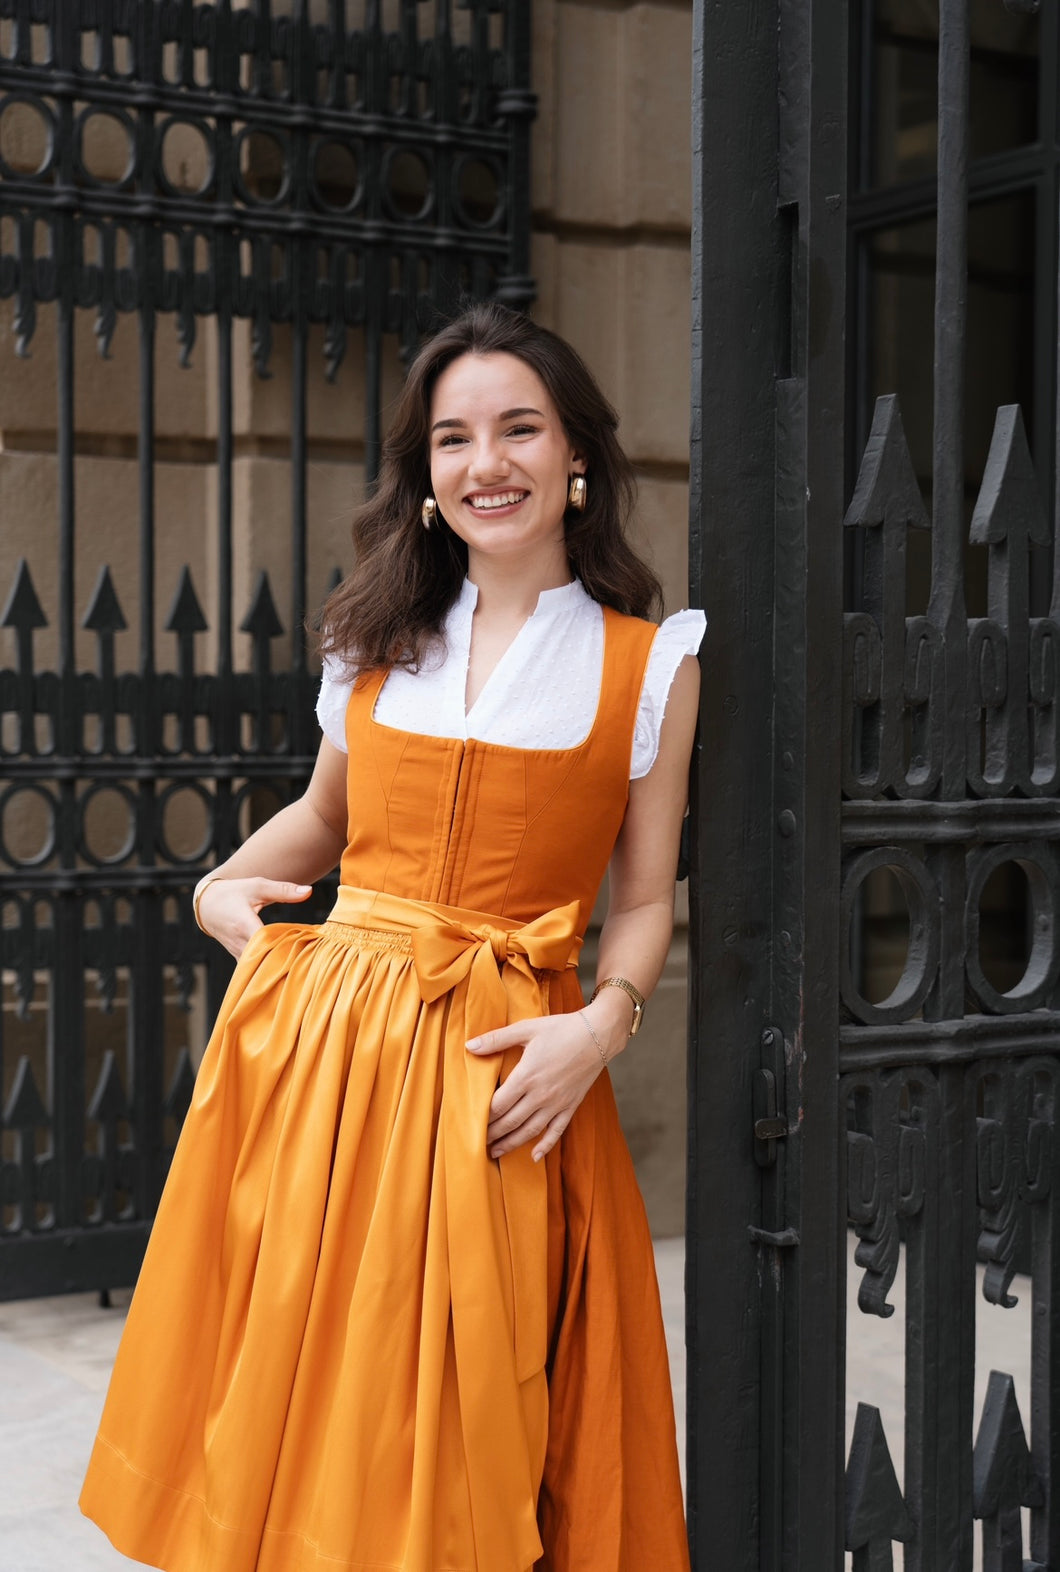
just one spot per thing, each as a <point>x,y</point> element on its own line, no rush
<point>358,1343</point>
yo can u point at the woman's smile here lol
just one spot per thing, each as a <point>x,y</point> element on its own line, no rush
<point>495,502</point>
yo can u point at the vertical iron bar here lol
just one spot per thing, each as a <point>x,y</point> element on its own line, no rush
<point>1045,1265</point>
<point>1045,1361</point>
<point>301,286</point>
<point>940,1364</point>
<point>518,104</point>
<point>804,823</point>
<point>947,607</point>
<point>149,737</point>
<point>374,293</point>
<point>227,728</point>
<point>734,290</point>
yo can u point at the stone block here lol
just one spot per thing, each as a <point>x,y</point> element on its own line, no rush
<point>544,259</point>
<point>587,123</point>
<point>627,311</point>
<point>106,392</point>
<point>615,126</point>
<point>649,1079</point>
<point>660,532</point>
<point>106,494</point>
<point>657,135</point>
<point>261,534</point>
<point>654,336</point>
<point>587,290</point>
<point>334,410</point>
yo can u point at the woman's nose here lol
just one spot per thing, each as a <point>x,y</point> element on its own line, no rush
<point>488,461</point>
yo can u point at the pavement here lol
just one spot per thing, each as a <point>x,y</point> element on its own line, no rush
<point>56,1354</point>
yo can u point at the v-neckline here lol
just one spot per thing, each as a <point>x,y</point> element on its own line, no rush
<point>469,592</point>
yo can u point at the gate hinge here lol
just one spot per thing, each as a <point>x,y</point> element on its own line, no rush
<point>769,1127</point>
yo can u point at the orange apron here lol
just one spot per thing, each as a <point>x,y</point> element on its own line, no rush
<point>357,1342</point>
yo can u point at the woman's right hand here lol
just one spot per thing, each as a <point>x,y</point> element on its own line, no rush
<point>228,908</point>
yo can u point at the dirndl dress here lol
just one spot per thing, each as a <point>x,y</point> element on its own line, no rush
<point>357,1342</point>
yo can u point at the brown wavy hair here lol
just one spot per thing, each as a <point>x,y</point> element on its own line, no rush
<point>393,605</point>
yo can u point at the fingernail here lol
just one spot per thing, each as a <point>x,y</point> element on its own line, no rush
<point>303,887</point>
<point>538,1156</point>
<point>473,1043</point>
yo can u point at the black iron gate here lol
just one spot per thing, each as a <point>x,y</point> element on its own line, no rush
<point>849,736</point>
<point>344,167</point>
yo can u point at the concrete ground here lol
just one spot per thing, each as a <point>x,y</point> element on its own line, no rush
<point>55,1358</point>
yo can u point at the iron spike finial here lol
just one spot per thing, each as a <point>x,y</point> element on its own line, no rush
<point>876,1513</point>
<point>887,489</point>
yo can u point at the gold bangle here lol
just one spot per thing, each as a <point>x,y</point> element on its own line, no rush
<point>197,895</point>
<point>634,993</point>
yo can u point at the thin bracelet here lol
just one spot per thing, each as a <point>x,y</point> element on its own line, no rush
<point>588,1027</point>
<point>197,895</point>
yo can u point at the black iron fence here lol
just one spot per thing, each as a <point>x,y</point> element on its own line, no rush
<point>342,169</point>
<point>890,735</point>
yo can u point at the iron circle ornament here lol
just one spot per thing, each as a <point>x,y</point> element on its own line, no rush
<point>391,182</point>
<point>101,114</point>
<point>48,841</point>
<point>1038,863</point>
<point>242,801</point>
<point>45,114</point>
<point>241,148</point>
<point>326,185</point>
<point>205,132</point>
<point>126,847</point>
<point>173,792</point>
<point>922,959</point>
<point>468,169</point>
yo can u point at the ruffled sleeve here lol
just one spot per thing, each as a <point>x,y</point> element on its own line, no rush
<point>336,684</point>
<point>678,636</point>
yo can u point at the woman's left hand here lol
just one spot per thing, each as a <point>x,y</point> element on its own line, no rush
<point>560,1062</point>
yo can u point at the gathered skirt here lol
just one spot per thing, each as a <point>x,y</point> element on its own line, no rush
<point>359,1343</point>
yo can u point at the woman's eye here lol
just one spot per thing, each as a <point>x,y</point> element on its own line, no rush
<point>523,431</point>
<point>450,441</point>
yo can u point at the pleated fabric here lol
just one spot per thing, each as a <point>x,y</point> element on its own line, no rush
<point>357,1342</point>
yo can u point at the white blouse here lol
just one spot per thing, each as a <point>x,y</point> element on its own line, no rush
<point>542,693</point>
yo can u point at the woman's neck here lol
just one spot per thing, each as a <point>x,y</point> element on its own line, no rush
<point>511,589</point>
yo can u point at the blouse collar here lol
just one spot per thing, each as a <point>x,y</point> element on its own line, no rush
<point>550,603</point>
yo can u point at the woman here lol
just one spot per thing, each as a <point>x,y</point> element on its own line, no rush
<point>399,1307</point>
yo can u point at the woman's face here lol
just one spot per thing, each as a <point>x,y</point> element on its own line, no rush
<point>501,461</point>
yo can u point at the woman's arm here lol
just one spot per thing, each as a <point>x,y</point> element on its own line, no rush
<point>561,1056</point>
<point>280,861</point>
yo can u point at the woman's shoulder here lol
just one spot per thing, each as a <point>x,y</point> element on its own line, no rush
<point>676,637</point>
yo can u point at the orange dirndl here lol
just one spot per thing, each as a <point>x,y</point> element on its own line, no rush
<point>358,1343</point>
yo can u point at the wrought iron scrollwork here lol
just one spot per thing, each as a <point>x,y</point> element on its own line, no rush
<point>891,1133</point>
<point>1015,1157</point>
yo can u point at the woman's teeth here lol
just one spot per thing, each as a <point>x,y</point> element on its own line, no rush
<point>501,499</point>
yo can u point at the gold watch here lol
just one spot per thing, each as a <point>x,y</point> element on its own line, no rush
<point>634,993</point>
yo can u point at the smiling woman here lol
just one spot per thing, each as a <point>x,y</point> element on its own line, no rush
<point>422,1325</point>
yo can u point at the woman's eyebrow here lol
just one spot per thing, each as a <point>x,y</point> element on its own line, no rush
<point>506,414</point>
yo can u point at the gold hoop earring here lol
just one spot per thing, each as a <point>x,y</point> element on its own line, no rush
<point>428,512</point>
<point>577,494</point>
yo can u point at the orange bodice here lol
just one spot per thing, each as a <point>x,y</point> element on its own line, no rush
<point>510,831</point>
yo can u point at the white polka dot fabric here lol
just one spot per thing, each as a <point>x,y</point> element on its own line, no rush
<point>542,693</point>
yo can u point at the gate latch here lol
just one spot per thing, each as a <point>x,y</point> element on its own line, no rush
<point>768,1126</point>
